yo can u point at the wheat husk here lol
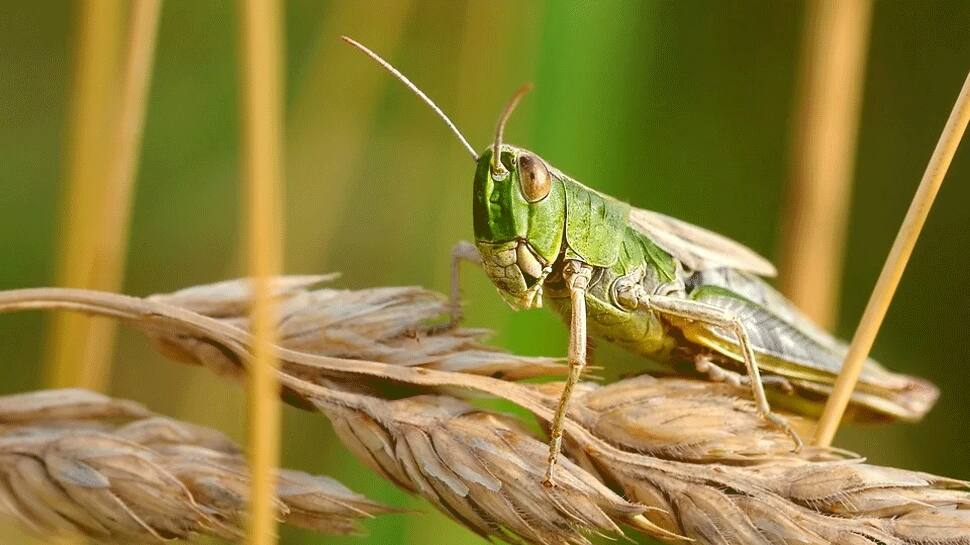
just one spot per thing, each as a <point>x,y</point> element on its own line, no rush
<point>398,325</point>
<point>76,462</point>
<point>480,468</point>
<point>694,460</point>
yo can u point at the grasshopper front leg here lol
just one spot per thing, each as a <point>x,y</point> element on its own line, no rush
<point>577,276</point>
<point>696,311</point>
<point>462,251</point>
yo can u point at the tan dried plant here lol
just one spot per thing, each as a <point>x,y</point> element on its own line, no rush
<point>692,459</point>
<point>403,326</point>
<point>76,462</point>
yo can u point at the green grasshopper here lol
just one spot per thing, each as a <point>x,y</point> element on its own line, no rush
<point>655,285</point>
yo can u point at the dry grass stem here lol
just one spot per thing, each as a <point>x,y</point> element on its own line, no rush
<point>75,462</point>
<point>97,40</point>
<point>834,46</point>
<point>121,168</point>
<point>262,140</point>
<point>694,458</point>
<point>892,270</point>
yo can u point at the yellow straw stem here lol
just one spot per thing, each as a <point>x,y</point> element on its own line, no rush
<point>328,126</point>
<point>260,44</point>
<point>91,118</point>
<point>892,271</point>
<point>115,212</point>
<point>829,102</point>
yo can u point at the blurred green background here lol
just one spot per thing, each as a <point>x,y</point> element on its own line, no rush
<point>681,107</point>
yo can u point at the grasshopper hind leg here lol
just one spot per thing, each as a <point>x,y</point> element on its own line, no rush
<point>687,310</point>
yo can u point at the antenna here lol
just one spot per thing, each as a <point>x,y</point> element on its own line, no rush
<point>403,79</point>
<point>497,166</point>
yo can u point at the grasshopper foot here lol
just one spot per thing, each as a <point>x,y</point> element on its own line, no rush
<point>783,425</point>
<point>455,315</point>
<point>780,382</point>
<point>549,480</point>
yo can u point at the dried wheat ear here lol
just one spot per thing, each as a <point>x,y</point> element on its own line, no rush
<point>693,460</point>
<point>76,462</point>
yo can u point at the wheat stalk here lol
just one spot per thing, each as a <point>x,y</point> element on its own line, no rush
<point>77,462</point>
<point>892,269</point>
<point>261,132</point>
<point>83,200</point>
<point>694,458</point>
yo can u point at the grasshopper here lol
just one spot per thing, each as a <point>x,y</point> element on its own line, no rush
<point>654,285</point>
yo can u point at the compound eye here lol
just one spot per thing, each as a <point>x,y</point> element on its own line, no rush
<point>534,177</point>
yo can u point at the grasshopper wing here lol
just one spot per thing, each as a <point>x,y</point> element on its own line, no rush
<point>697,248</point>
<point>758,291</point>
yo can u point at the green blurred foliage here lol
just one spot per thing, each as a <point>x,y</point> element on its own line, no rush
<point>682,107</point>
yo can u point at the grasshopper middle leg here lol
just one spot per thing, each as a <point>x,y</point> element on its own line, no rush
<point>577,276</point>
<point>715,373</point>
<point>696,311</point>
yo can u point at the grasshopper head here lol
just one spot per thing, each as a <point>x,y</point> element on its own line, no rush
<point>519,215</point>
<point>519,205</point>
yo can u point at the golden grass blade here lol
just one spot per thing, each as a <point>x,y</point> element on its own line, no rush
<point>122,168</point>
<point>98,37</point>
<point>829,104</point>
<point>76,462</point>
<point>893,269</point>
<point>261,48</point>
